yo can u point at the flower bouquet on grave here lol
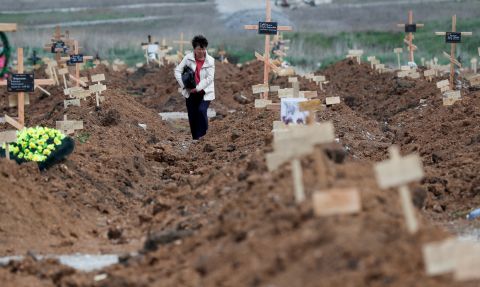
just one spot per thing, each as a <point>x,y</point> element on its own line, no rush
<point>45,146</point>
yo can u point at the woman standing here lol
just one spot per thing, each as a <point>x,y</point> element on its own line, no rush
<point>198,99</point>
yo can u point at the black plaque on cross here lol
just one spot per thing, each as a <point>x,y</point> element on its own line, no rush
<point>59,46</point>
<point>76,59</point>
<point>410,28</point>
<point>21,83</point>
<point>453,37</point>
<point>267,28</point>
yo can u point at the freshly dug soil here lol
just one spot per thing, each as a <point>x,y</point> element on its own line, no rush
<point>209,213</point>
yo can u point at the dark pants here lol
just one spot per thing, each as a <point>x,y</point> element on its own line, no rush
<point>197,114</point>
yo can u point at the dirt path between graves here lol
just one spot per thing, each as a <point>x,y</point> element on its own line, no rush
<point>210,214</point>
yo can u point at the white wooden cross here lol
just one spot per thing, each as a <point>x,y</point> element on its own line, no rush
<point>320,80</point>
<point>7,137</point>
<point>20,123</point>
<point>410,28</point>
<point>294,142</point>
<point>98,88</point>
<point>398,172</point>
<point>474,62</point>
<point>452,255</point>
<point>398,51</point>
<point>67,126</point>
<point>260,89</point>
<point>453,37</point>
<point>357,54</point>
<point>266,55</point>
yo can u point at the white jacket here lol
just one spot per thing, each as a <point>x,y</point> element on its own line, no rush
<point>207,75</point>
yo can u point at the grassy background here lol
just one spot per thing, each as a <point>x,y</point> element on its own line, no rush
<point>323,35</point>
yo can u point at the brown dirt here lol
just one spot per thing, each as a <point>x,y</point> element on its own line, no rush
<point>209,213</point>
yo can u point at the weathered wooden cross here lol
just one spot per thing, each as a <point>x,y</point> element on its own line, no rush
<point>267,28</point>
<point>453,38</point>
<point>98,88</point>
<point>68,127</point>
<point>294,142</point>
<point>57,45</point>
<point>22,83</point>
<point>181,43</point>
<point>151,49</point>
<point>410,28</point>
<point>7,137</point>
<point>398,172</point>
<point>77,59</point>
<point>398,51</point>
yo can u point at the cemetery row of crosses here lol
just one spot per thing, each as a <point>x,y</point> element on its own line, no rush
<point>344,176</point>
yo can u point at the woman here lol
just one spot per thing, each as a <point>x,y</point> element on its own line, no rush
<point>199,98</point>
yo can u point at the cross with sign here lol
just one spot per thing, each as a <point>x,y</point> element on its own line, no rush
<point>181,43</point>
<point>294,142</point>
<point>151,49</point>
<point>57,45</point>
<point>267,28</point>
<point>453,38</point>
<point>410,28</point>
<point>22,83</point>
<point>398,172</point>
<point>76,58</point>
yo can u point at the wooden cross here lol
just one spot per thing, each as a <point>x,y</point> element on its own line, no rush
<point>98,88</point>
<point>75,53</point>
<point>398,51</point>
<point>294,142</point>
<point>21,95</point>
<point>410,28</point>
<point>68,127</point>
<point>181,42</point>
<point>398,172</point>
<point>57,37</point>
<point>145,46</point>
<point>266,56</point>
<point>453,38</point>
<point>357,54</point>
<point>34,59</point>
<point>7,137</point>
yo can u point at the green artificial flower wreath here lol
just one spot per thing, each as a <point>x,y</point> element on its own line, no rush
<point>36,144</point>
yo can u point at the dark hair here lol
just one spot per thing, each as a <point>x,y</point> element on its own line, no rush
<point>199,40</point>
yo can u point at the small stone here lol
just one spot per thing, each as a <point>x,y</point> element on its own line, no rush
<point>208,148</point>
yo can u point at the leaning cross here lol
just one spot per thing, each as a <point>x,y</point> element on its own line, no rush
<point>291,144</point>
<point>267,28</point>
<point>410,28</point>
<point>453,38</point>
<point>398,172</point>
